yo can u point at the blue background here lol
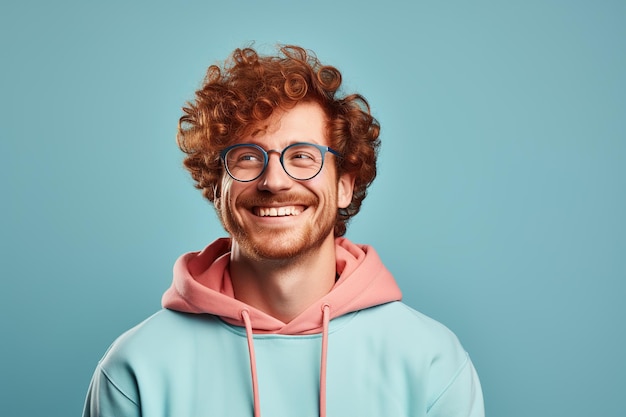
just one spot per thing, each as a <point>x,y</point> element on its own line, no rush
<point>499,204</point>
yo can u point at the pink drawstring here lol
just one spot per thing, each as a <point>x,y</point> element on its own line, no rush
<point>255,382</point>
<point>325,324</point>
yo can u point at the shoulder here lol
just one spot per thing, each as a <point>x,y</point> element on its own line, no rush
<point>426,349</point>
<point>158,346</point>
<point>400,318</point>
<point>408,332</point>
<point>165,334</point>
<point>406,348</point>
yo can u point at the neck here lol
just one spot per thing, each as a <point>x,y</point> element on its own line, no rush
<point>283,288</point>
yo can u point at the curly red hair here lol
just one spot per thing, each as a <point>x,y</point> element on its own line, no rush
<point>248,88</point>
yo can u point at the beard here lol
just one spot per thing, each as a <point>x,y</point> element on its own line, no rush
<point>278,243</point>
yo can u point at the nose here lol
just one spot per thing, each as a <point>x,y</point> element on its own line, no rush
<point>274,178</point>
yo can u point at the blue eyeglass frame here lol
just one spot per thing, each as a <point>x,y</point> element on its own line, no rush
<point>323,149</point>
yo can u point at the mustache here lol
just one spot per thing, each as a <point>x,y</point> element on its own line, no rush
<point>266,200</point>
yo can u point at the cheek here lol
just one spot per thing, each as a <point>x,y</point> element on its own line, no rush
<point>326,188</point>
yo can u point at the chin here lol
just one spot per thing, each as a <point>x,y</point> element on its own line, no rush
<point>276,249</point>
<point>282,248</point>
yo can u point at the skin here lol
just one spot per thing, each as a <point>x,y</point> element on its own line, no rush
<point>273,257</point>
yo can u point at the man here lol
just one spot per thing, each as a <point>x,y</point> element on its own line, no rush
<point>285,317</point>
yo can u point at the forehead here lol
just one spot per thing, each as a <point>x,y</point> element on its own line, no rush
<point>306,122</point>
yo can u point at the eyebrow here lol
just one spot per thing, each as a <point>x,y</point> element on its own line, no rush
<point>291,142</point>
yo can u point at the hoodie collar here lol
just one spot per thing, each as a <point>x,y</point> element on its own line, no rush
<point>202,284</point>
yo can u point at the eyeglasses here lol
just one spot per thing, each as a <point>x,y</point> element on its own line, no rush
<point>302,161</point>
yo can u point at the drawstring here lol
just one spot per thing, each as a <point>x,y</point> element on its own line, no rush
<point>255,382</point>
<point>325,322</point>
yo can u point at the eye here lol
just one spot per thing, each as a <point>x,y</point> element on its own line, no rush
<point>244,156</point>
<point>301,155</point>
<point>248,157</point>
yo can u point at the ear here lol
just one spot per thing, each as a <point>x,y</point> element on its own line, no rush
<point>216,196</point>
<point>345,187</point>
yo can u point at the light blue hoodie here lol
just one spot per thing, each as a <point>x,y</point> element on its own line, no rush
<point>359,351</point>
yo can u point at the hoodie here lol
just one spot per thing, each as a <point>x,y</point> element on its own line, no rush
<point>385,358</point>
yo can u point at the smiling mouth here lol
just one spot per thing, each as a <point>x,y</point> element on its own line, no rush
<point>278,211</point>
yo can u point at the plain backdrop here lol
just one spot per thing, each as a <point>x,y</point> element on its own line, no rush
<point>499,204</point>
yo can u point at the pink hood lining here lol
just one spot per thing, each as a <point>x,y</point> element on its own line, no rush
<point>202,284</point>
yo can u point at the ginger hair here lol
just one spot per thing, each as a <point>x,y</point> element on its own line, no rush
<point>244,91</point>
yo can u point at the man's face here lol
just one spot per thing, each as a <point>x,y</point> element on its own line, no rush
<point>275,216</point>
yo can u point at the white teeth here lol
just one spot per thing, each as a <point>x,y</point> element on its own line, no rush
<point>278,211</point>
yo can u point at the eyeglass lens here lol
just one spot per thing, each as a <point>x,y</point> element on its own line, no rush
<point>301,161</point>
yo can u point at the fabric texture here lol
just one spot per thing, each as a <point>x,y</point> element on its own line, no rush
<point>358,351</point>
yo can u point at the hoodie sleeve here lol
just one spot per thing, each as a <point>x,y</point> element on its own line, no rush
<point>462,397</point>
<point>106,399</point>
